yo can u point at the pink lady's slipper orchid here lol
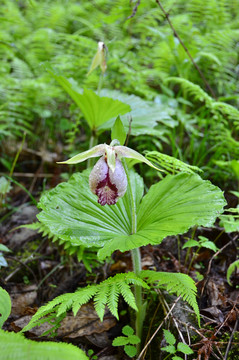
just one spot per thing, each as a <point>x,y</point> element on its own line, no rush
<point>108,179</point>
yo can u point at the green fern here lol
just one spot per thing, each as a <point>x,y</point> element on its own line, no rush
<point>16,347</point>
<point>104,294</point>
<point>170,164</point>
<point>192,89</point>
<point>178,283</point>
<point>223,121</point>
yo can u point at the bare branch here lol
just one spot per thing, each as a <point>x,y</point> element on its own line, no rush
<point>187,51</point>
<point>134,10</point>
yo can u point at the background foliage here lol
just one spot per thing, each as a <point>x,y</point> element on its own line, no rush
<point>144,58</point>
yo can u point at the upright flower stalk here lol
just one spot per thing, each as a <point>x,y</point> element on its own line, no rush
<point>136,260</point>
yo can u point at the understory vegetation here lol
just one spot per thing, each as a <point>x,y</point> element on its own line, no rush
<point>135,255</point>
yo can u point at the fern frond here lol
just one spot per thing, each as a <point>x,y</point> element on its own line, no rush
<point>170,164</point>
<point>178,283</point>
<point>192,89</point>
<point>16,347</point>
<point>113,299</point>
<point>228,111</point>
<point>104,294</point>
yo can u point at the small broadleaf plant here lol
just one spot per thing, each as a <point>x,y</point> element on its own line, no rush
<point>172,349</point>
<point>202,243</point>
<point>105,208</point>
<point>128,341</point>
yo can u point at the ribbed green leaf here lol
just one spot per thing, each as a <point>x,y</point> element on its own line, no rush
<point>171,207</point>
<point>176,203</point>
<point>72,212</point>
<point>16,347</point>
<point>5,306</point>
<point>96,110</point>
<point>145,114</point>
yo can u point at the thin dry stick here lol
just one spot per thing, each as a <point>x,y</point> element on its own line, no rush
<point>210,262</point>
<point>176,324</point>
<point>129,131</point>
<point>23,264</point>
<point>186,49</point>
<point>227,317</point>
<point>158,328</point>
<point>134,10</point>
<point>30,175</point>
<point>230,340</point>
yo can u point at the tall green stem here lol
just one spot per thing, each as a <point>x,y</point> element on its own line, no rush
<point>100,83</point>
<point>136,259</point>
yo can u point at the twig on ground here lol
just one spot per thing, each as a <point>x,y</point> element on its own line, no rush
<point>230,340</point>
<point>16,270</point>
<point>227,317</point>
<point>158,328</point>
<point>212,258</point>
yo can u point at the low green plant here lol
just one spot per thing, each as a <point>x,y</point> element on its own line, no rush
<point>90,353</point>
<point>171,349</point>
<point>202,243</point>
<point>128,341</point>
<point>15,346</point>
<point>123,219</point>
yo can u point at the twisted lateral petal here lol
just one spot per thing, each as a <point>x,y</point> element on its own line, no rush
<point>96,151</point>
<point>124,151</point>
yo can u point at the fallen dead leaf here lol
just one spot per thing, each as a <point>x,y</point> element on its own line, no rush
<point>86,322</point>
<point>22,296</point>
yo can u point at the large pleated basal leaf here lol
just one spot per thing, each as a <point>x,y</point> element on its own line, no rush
<point>96,109</point>
<point>145,114</point>
<point>171,207</point>
<point>72,212</point>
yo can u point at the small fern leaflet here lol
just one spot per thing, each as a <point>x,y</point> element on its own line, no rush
<point>104,294</point>
<point>178,283</point>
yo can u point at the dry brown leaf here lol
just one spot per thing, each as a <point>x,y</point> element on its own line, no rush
<point>22,296</point>
<point>86,322</point>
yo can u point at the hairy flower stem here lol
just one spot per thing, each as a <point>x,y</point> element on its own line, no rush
<point>136,259</point>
